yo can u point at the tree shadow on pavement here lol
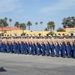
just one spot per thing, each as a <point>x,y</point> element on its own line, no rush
<point>2,69</point>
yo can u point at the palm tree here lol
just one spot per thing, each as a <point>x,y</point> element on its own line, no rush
<point>10,21</point>
<point>1,22</point>
<point>51,25</point>
<point>46,29</point>
<point>4,22</point>
<point>23,27</point>
<point>5,19</point>
<point>36,23</point>
<point>2,25</point>
<point>17,24</point>
<point>29,24</point>
<point>41,25</point>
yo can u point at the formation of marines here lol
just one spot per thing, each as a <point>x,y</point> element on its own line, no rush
<point>48,48</point>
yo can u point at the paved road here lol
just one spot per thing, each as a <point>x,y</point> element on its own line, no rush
<point>17,64</point>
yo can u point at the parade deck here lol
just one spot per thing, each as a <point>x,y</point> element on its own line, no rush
<point>20,64</point>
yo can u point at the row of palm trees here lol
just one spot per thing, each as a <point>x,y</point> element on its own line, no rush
<point>50,25</point>
<point>29,24</point>
<point>36,23</point>
<point>4,23</point>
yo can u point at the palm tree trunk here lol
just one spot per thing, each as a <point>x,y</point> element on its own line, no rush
<point>10,24</point>
<point>23,31</point>
<point>2,30</point>
<point>29,28</point>
<point>41,27</point>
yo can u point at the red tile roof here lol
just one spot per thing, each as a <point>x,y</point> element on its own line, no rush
<point>9,28</point>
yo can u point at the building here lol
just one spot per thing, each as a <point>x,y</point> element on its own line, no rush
<point>67,31</point>
<point>14,31</point>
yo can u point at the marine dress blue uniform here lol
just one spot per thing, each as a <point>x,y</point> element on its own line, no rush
<point>18,48</point>
<point>25,48</point>
<point>68,49</point>
<point>74,50</point>
<point>7,48</point>
<point>14,47</point>
<point>47,46</point>
<point>57,49</point>
<point>43,48</point>
<point>63,49</point>
<point>30,48</point>
<point>22,47</point>
<point>11,47</point>
<point>52,50</point>
<point>3,47</point>
<point>38,49</point>
<point>33,51</point>
<point>0,46</point>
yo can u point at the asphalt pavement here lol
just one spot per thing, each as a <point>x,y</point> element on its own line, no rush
<point>20,64</point>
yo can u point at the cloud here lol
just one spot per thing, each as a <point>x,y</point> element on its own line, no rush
<point>60,5</point>
<point>8,5</point>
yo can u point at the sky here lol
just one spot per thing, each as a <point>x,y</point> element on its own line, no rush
<point>36,11</point>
